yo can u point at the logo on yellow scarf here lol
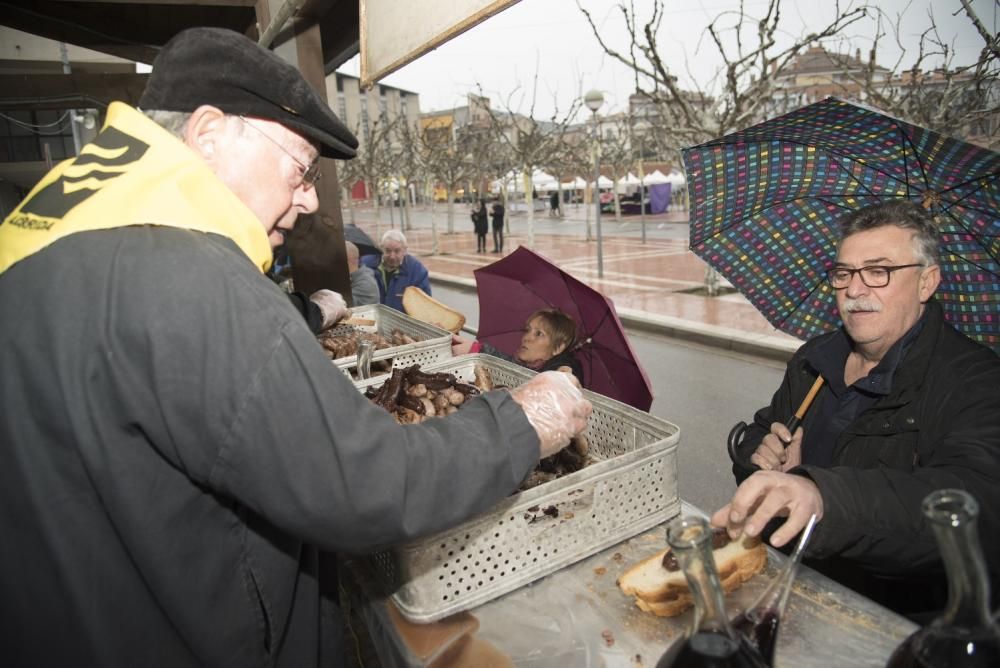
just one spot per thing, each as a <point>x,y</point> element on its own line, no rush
<point>103,160</point>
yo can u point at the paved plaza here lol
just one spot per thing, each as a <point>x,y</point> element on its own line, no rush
<point>656,285</point>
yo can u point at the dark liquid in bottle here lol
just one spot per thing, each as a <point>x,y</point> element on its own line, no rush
<point>969,650</point>
<point>761,629</point>
<point>708,649</point>
<point>904,657</point>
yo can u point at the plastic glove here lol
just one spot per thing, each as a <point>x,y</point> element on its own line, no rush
<point>331,305</point>
<point>555,407</point>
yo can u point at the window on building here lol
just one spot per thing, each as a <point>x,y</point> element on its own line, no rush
<point>342,106</point>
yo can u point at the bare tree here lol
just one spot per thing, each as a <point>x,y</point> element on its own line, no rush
<point>617,158</point>
<point>567,160</point>
<point>408,163</point>
<point>932,91</point>
<point>374,162</point>
<point>530,142</point>
<point>738,95</point>
<point>500,162</point>
<point>449,163</point>
<point>349,174</point>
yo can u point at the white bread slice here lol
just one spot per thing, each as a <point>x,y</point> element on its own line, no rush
<point>425,308</point>
<point>666,593</point>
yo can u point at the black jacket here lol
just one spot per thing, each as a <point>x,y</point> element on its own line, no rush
<point>479,221</point>
<point>938,428</point>
<point>177,451</point>
<point>497,215</point>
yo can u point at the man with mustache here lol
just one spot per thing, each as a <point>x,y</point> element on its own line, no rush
<point>909,405</point>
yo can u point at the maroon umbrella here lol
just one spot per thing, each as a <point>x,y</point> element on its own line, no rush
<point>513,288</point>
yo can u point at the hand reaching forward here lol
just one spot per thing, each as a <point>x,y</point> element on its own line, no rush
<point>780,450</point>
<point>768,494</point>
<point>331,305</point>
<point>555,407</point>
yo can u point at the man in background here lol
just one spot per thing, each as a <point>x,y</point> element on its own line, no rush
<point>364,288</point>
<point>396,270</point>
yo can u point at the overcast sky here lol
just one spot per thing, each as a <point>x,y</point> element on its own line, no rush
<point>551,38</point>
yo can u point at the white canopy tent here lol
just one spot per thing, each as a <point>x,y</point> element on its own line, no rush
<point>513,181</point>
<point>676,178</point>
<point>604,182</point>
<point>576,184</point>
<point>629,183</point>
<point>655,178</point>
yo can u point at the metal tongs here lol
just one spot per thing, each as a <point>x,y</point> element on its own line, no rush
<point>364,359</point>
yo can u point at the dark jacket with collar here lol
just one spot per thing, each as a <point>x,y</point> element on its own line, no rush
<point>411,272</point>
<point>939,427</point>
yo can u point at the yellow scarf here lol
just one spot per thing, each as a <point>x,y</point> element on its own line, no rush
<point>133,173</point>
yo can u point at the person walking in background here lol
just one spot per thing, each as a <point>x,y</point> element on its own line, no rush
<point>397,270</point>
<point>481,225</point>
<point>498,227</point>
<point>364,287</point>
<point>554,210</point>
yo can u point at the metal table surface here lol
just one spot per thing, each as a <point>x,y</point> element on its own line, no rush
<point>578,617</point>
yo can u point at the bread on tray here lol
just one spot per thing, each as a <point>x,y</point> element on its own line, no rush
<point>665,592</point>
<point>425,308</point>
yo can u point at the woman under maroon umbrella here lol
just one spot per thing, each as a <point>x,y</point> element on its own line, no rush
<point>546,344</point>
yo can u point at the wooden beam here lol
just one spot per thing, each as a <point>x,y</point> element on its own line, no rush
<point>203,3</point>
<point>316,245</point>
<point>130,30</point>
<point>69,91</point>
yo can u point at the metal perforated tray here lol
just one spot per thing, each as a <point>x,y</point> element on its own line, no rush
<point>433,343</point>
<point>631,487</point>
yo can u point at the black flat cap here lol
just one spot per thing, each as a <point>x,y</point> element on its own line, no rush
<point>229,71</point>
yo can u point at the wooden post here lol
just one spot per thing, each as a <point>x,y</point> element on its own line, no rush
<point>316,245</point>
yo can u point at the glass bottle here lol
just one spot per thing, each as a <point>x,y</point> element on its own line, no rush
<point>711,641</point>
<point>760,622</point>
<point>964,634</point>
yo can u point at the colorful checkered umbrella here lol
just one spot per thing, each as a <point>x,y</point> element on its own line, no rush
<point>765,203</point>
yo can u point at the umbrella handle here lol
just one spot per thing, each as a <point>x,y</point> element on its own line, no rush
<point>796,420</point>
<point>736,435</point>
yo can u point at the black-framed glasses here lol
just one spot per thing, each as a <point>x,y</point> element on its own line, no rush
<point>310,173</point>
<point>875,276</point>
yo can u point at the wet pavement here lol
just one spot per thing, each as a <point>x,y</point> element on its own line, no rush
<point>657,284</point>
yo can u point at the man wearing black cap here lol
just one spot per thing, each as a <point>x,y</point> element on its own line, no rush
<point>176,446</point>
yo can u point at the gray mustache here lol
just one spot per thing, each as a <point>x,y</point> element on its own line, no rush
<point>861,305</point>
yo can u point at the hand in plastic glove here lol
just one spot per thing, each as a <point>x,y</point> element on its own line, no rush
<point>555,407</point>
<point>331,305</point>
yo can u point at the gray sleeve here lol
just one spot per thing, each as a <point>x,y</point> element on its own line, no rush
<point>320,460</point>
<point>364,289</point>
<point>225,381</point>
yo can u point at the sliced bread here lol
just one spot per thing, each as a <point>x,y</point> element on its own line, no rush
<point>666,593</point>
<point>425,308</point>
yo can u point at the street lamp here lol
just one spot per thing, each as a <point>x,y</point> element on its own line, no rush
<point>594,99</point>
